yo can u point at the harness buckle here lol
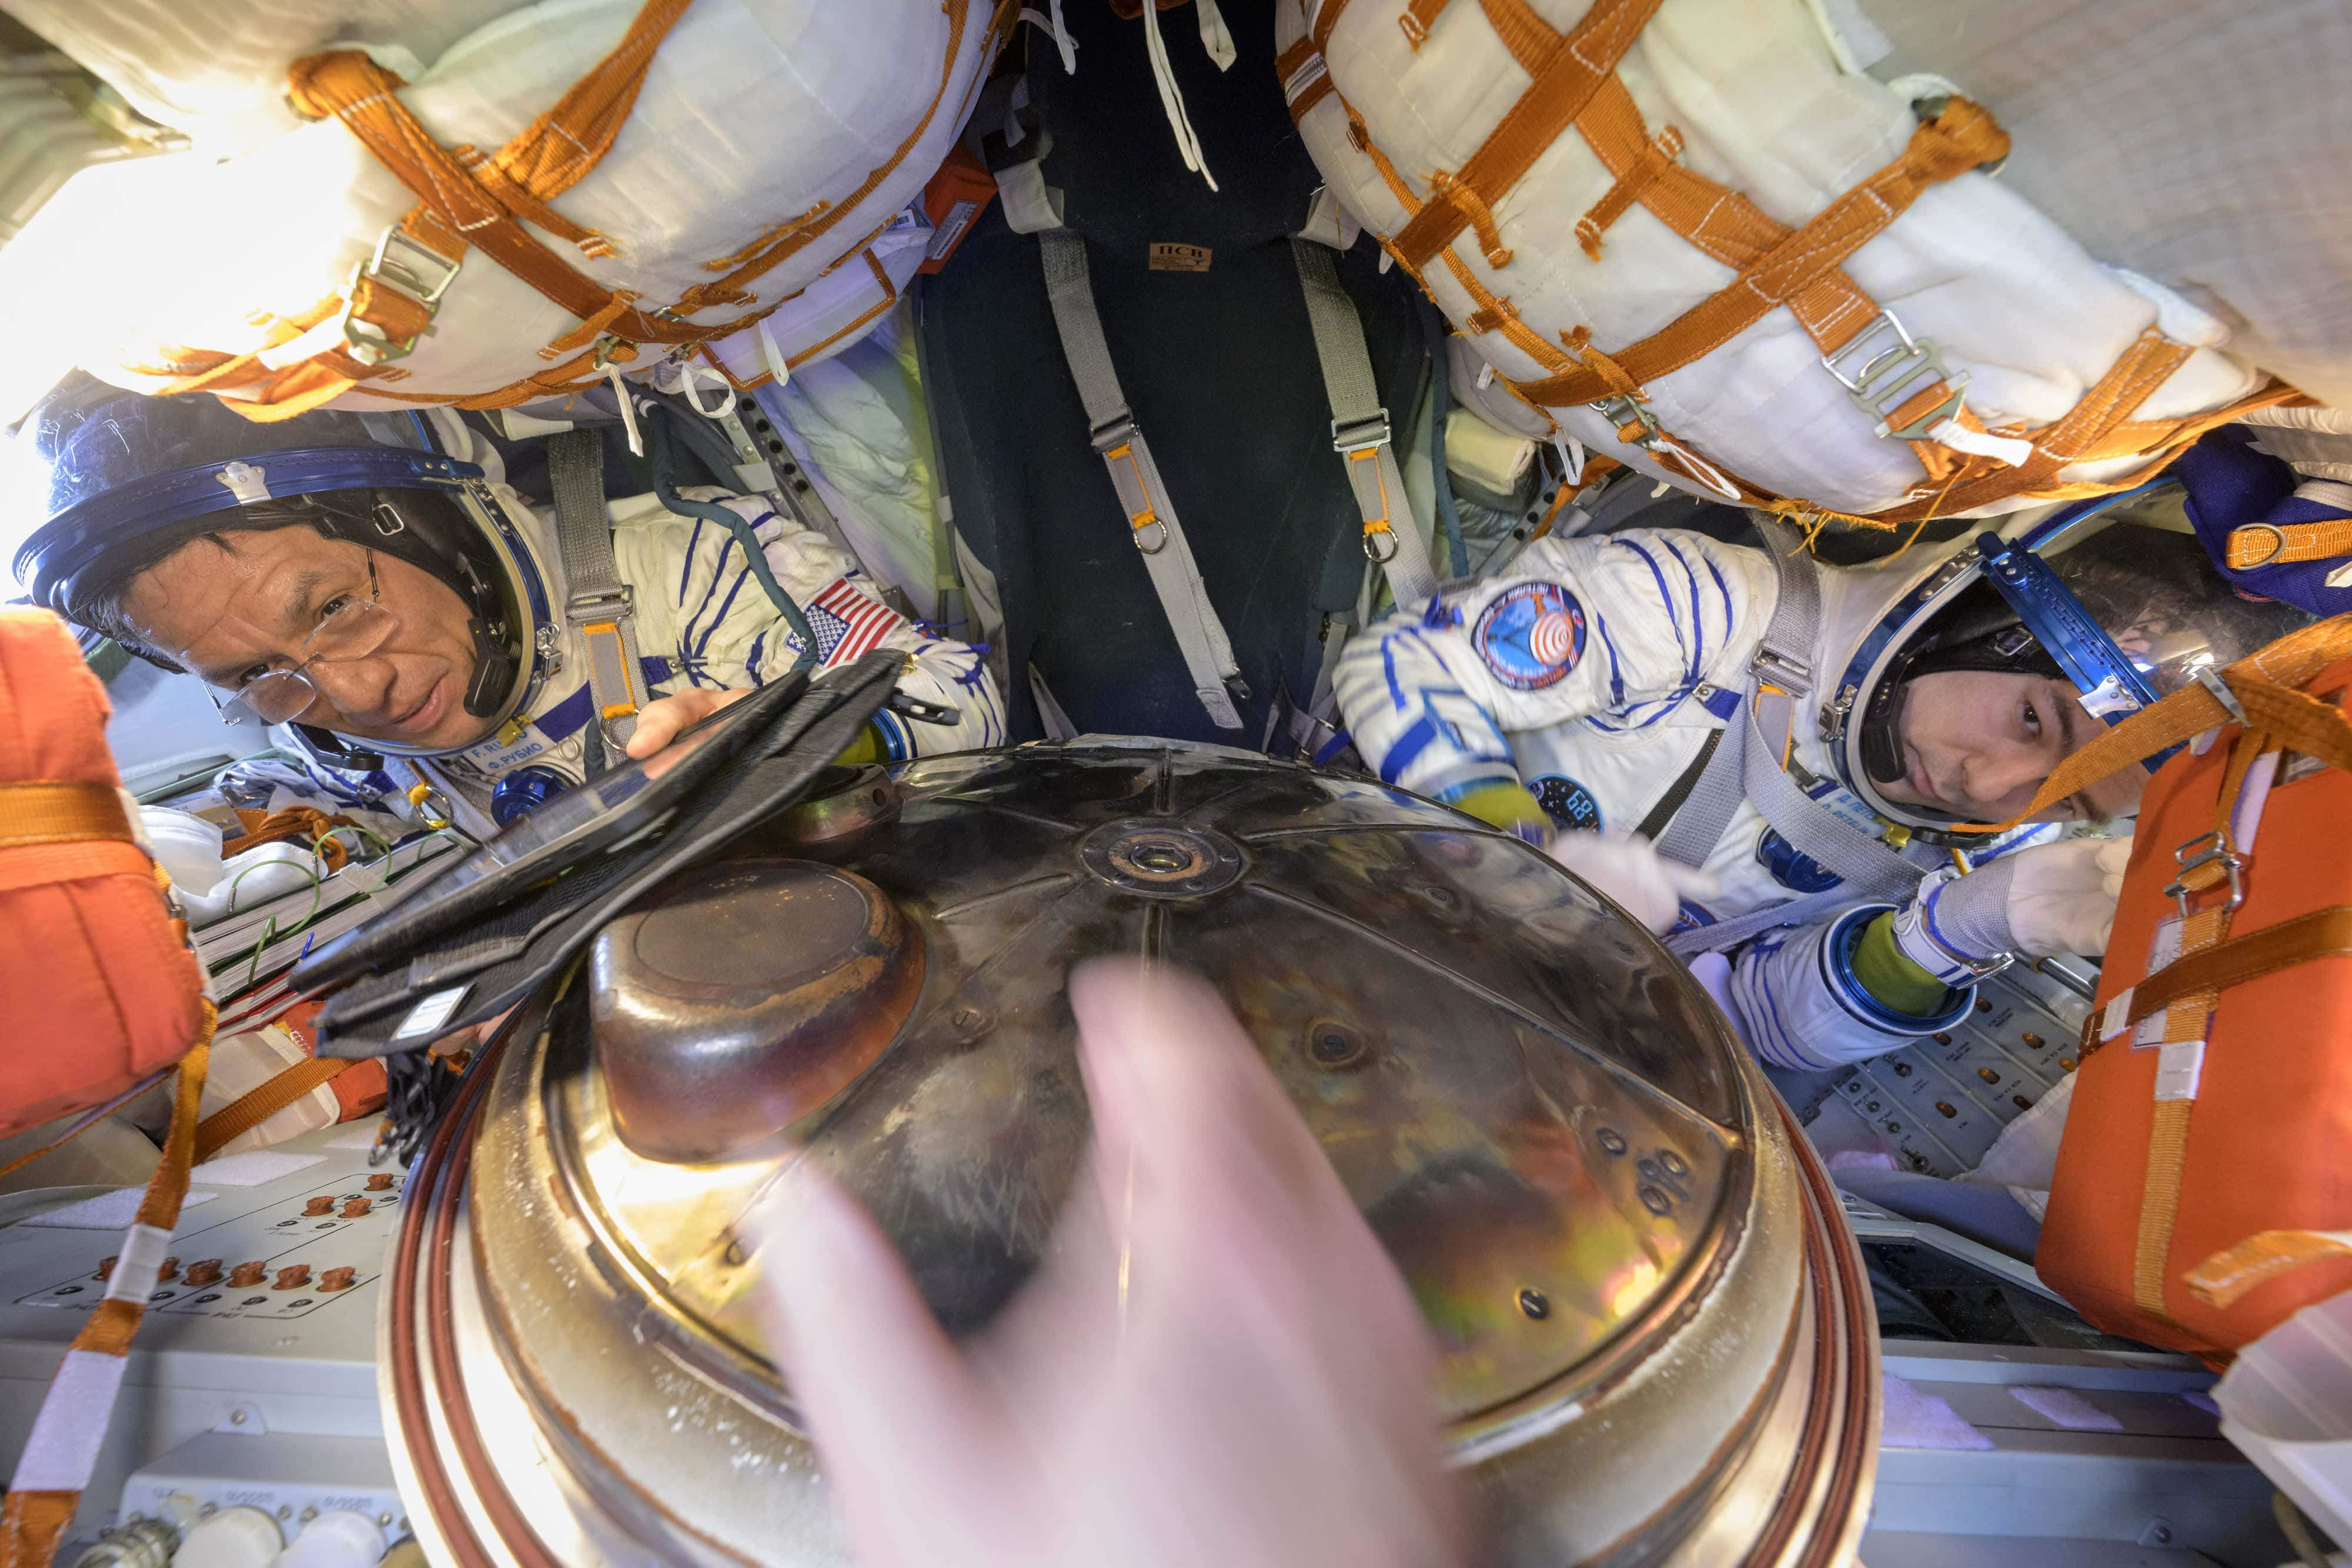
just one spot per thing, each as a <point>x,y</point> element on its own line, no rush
<point>2190,858</point>
<point>406,266</point>
<point>1360,435</point>
<point>1624,410</point>
<point>1891,374</point>
<point>605,604</point>
<point>1770,659</point>
<point>1117,430</point>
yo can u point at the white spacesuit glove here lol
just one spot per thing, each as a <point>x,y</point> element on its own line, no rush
<point>2062,897</point>
<point>1628,868</point>
<point>2039,901</point>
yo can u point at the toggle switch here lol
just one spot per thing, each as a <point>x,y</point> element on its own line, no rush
<point>202,1271</point>
<point>318,1205</point>
<point>380,1182</point>
<point>171,1267</point>
<point>245,1275</point>
<point>337,1280</point>
<point>292,1279</point>
<point>356,1207</point>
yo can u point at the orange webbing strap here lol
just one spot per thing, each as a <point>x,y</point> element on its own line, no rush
<point>2284,544</point>
<point>305,825</point>
<point>52,813</point>
<point>2211,969</point>
<point>1960,139</point>
<point>464,204</point>
<point>1416,19</point>
<point>1572,73</point>
<point>61,1452</point>
<point>2225,1277</point>
<point>2263,683</point>
<point>256,1105</point>
<point>730,288</point>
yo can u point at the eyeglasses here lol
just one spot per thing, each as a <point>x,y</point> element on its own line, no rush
<point>352,630</point>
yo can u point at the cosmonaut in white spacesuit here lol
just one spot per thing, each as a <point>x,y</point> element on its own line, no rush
<point>409,618</point>
<point>1667,685</point>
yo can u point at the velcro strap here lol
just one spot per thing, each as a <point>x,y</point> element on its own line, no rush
<point>610,671</point>
<point>56,811</point>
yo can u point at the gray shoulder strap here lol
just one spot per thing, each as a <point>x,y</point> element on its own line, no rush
<point>1749,765</point>
<point>597,603</point>
<point>1360,428</point>
<point>1150,512</point>
<point>1781,659</point>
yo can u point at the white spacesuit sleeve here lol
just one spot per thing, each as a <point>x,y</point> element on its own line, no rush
<point>1614,629</point>
<point>730,633</point>
<point>1802,1006</point>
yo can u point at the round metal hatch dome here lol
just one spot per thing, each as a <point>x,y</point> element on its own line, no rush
<point>1656,1344</point>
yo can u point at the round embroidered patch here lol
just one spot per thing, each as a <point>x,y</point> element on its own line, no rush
<point>1567,802</point>
<point>1531,635</point>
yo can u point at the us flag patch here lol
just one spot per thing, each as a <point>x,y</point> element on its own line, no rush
<point>848,624</point>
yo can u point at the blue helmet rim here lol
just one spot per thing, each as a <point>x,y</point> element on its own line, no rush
<point>62,549</point>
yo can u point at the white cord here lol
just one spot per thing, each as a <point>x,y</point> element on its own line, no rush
<point>1062,39</point>
<point>1171,101</point>
<point>628,408</point>
<point>1215,37</point>
<point>686,371</point>
<point>777,366</point>
<point>1571,457</point>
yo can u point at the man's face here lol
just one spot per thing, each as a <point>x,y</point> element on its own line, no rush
<point>231,612</point>
<point>1978,743</point>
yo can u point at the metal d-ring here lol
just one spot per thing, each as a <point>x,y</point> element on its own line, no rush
<point>1372,552</point>
<point>1151,550</point>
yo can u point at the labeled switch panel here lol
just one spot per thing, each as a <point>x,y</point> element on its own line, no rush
<point>285,1257</point>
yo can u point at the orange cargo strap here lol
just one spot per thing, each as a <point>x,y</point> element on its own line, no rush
<point>2322,934</point>
<point>1572,71</point>
<point>258,1105</point>
<point>482,203</point>
<point>2225,1278</point>
<point>60,1454</point>
<point>2284,544</point>
<point>2264,684</point>
<point>1775,263</point>
<point>1960,139</point>
<point>48,812</point>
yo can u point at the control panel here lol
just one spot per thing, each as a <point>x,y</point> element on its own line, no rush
<point>251,1384</point>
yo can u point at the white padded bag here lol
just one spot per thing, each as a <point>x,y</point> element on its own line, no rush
<point>783,136</point>
<point>1967,291</point>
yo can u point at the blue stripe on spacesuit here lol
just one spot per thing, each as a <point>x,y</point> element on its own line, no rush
<point>1666,598</point>
<point>1616,677</point>
<point>686,569</point>
<point>1408,748</point>
<point>1388,668</point>
<point>1699,619</point>
<point>686,632</point>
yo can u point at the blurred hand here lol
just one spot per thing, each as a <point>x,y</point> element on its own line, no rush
<point>2062,897</point>
<point>660,720</point>
<point>1215,1365</point>
<point>1628,868</point>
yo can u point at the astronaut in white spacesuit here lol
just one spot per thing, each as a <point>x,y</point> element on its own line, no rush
<point>1663,686</point>
<point>409,617</point>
